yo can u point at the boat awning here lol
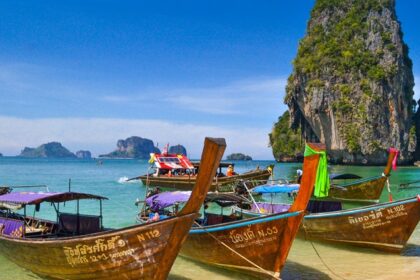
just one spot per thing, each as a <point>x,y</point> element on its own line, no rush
<point>166,199</point>
<point>344,176</point>
<point>225,199</point>
<point>277,188</point>
<point>16,200</point>
<point>172,161</point>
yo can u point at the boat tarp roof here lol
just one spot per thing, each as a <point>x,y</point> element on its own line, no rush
<point>16,200</point>
<point>344,176</point>
<point>172,161</point>
<point>166,199</point>
<point>276,188</point>
<point>225,199</point>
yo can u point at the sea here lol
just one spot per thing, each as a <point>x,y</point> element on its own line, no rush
<point>307,260</point>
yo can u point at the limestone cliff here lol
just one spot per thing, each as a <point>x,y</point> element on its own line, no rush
<point>178,149</point>
<point>83,154</point>
<point>133,147</point>
<point>238,156</point>
<point>352,82</point>
<point>49,150</point>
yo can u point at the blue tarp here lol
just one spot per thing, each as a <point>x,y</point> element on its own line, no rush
<point>283,188</point>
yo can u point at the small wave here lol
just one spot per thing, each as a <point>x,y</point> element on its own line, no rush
<point>123,180</point>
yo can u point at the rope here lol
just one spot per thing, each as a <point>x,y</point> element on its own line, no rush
<point>237,253</point>
<point>319,256</point>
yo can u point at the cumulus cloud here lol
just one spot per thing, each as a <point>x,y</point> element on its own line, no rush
<point>99,135</point>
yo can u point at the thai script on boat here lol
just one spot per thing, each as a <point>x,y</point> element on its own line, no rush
<point>373,215</point>
<point>104,249</point>
<point>248,236</point>
<point>82,253</point>
<point>374,218</point>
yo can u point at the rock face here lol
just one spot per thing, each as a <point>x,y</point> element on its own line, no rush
<point>178,149</point>
<point>133,147</point>
<point>83,154</point>
<point>352,83</point>
<point>49,150</point>
<point>238,156</point>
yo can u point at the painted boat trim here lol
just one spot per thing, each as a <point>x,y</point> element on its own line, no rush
<point>247,222</point>
<point>361,210</point>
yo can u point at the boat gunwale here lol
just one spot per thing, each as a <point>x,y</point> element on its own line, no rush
<point>343,212</point>
<point>244,222</point>
<point>102,234</point>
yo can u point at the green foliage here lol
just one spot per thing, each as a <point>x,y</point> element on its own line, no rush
<point>285,141</point>
<point>351,137</point>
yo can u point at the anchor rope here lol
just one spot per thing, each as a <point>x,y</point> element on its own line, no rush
<point>237,253</point>
<point>319,256</point>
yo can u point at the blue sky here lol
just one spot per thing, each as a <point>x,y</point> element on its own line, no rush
<point>87,73</point>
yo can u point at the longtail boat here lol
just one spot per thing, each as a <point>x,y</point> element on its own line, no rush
<point>77,246</point>
<point>385,226</point>
<point>365,189</point>
<point>257,246</point>
<point>178,172</point>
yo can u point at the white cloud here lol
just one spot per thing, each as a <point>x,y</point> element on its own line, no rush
<point>238,97</point>
<point>417,88</point>
<point>99,135</point>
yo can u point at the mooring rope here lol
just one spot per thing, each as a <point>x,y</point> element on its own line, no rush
<point>237,253</point>
<point>319,256</point>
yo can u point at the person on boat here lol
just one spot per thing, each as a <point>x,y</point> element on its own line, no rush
<point>299,174</point>
<point>156,217</point>
<point>230,171</point>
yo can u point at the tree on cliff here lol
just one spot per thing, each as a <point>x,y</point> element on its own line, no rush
<point>352,82</point>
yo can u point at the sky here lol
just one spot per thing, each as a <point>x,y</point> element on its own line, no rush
<point>87,73</point>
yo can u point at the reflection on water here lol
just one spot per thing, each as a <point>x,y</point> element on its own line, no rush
<point>306,260</point>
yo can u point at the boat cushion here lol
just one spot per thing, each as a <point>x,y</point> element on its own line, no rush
<point>11,227</point>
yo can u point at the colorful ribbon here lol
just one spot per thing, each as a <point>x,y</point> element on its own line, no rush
<point>322,181</point>
<point>394,161</point>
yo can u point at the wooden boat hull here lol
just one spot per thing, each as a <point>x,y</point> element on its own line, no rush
<point>385,226</point>
<point>244,245</point>
<point>130,253</point>
<point>363,191</point>
<point>219,183</point>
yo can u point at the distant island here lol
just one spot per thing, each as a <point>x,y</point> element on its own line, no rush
<point>178,149</point>
<point>1,154</point>
<point>49,150</point>
<point>83,154</point>
<point>238,156</point>
<point>133,147</point>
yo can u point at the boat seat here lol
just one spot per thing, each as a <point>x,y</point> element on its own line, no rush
<point>11,227</point>
<point>213,219</point>
<point>320,206</point>
<point>87,224</point>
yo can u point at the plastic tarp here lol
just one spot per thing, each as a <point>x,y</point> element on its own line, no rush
<point>277,188</point>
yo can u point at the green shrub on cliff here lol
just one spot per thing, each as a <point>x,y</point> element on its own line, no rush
<point>285,142</point>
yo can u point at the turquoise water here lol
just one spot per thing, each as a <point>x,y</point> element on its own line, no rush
<point>306,260</point>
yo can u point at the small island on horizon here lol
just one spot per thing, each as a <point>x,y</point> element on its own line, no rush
<point>238,156</point>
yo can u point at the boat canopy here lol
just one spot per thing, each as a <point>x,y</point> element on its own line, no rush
<point>276,188</point>
<point>344,176</point>
<point>225,199</point>
<point>17,200</point>
<point>166,199</point>
<point>171,161</point>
